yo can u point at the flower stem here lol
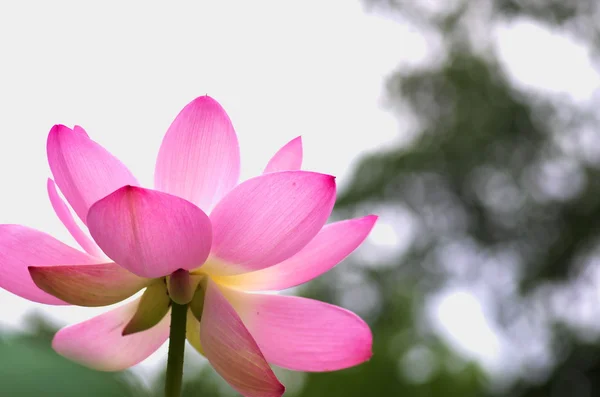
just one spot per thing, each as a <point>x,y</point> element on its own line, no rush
<point>176,349</point>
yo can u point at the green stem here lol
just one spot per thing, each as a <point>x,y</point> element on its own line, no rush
<point>176,349</point>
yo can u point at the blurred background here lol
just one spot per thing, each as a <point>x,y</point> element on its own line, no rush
<point>470,127</point>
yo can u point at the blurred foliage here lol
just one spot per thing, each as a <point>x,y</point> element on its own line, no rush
<point>494,187</point>
<point>499,187</point>
<point>29,367</point>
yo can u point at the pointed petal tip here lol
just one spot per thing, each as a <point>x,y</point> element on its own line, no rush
<point>128,330</point>
<point>288,158</point>
<point>61,128</point>
<point>372,219</point>
<point>56,130</point>
<point>35,274</point>
<point>297,141</point>
<point>204,100</point>
<point>129,188</point>
<point>326,177</point>
<point>280,390</point>
<point>79,129</point>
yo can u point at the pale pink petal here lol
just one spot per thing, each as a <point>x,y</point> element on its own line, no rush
<point>99,344</point>
<point>333,243</point>
<point>288,158</point>
<point>267,219</point>
<point>80,130</point>
<point>199,158</point>
<point>21,247</point>
<point>90,285</point>
<point>64,214</point>
<point>230,349</point>
<point>303,334</point>
<point>83,170</point>
<point>150,233</point>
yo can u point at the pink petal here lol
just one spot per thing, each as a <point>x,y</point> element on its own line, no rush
<point>21,247</point>
<point>267,219</point>
<point>303,334</point>
<point>99,344</point>
<point>64,214</point>
<point>199,158</point>
<point>80,130</point>
<point>150,233</point>
<point>288,158</point>
<point>333,243</point>
<point>83,170</point>
<point>89,285</point>
<point>230,349</point>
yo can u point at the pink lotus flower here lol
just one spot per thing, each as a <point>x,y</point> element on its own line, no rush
<point>267,233</point>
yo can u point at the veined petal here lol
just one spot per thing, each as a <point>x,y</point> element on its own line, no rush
<point>303,334</point>
<point>99,344</point>
<point>90,285</point>
<point>150,233</point>
<point>21,247</point>
<point>288,158</point>
<point>83,170</point>
<point>64,214</point>
<point>267,219</point>
<point>199,158</point>
<point>230,349</point>
<point>329,247</point>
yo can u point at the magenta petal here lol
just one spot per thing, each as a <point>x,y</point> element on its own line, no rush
<point>303,334</point>
<point>64,214</point>
<point>21,247</point>
<point>288,158</point>
<point>199,158</point>
<point>267,219</point>
<point>80,130</point>
<point>99,344</point>
<point>333,243</point>
<point>230,349</point>
<point>83,170</point>
<point>150,233</point>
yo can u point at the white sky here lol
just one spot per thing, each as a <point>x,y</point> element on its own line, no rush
<point>123,70</point>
